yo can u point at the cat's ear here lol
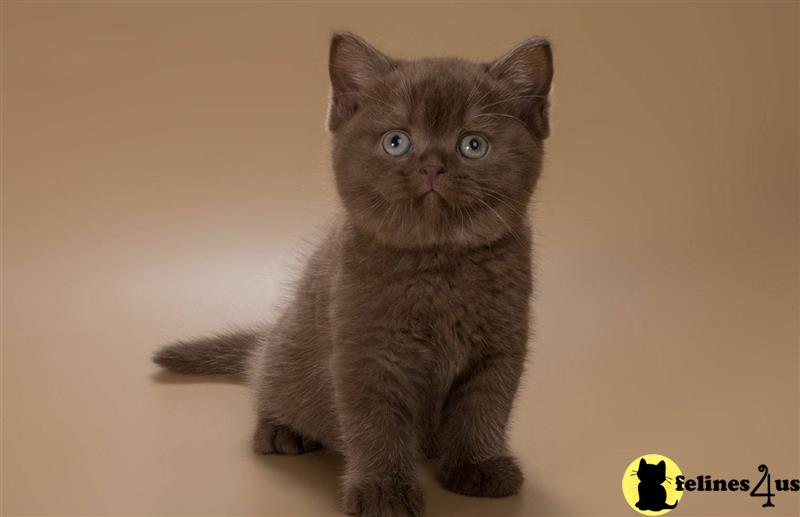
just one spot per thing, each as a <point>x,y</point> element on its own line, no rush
<point>662,465</point>
<point>642,464</point>
<point>527,71</point>
<point>353,64</point>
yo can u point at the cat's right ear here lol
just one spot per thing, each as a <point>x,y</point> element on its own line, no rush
<point>642,464</point>
<point>353,64</point>
<point>527,71</point>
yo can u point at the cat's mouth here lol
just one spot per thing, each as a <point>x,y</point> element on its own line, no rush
<point>432,198</point>
<point>434,191</point>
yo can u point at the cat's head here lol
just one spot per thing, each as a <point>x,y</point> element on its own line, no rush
<point>437,151</point>
<point>652,473</point>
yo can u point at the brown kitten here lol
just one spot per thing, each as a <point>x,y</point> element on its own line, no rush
<point>407,333</point>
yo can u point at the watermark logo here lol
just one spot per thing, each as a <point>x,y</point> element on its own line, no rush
<point>653,485</point>
<point>649,484</point>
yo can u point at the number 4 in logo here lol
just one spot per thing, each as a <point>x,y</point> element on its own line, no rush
<point>768,494</point>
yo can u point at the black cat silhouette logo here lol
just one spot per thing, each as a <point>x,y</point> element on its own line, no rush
<point>649,484</point>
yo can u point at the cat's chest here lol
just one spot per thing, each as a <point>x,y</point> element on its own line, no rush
<point>454,300</point>
<point>456,309</point>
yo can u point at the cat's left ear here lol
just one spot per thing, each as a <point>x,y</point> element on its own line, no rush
<point>527,72</point>
<point>353,64</point>
<point>662,465</point>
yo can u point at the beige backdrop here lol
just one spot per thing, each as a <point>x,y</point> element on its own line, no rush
<point>163,163</point>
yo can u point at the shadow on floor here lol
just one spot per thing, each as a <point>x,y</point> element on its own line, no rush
<point>319,472</point>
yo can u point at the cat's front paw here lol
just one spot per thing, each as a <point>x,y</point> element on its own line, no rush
<point>386,498</point>
<point>495,477</point>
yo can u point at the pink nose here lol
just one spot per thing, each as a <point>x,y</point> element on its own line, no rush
<point>432,171</point>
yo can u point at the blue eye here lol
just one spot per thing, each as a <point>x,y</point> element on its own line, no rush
<point>473,147</point>
<point>396,142</point>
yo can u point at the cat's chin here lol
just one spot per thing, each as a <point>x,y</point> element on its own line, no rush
<point>432,219</point>
<point>424,235</point>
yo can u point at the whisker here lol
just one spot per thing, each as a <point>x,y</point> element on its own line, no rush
<point>503,221</point>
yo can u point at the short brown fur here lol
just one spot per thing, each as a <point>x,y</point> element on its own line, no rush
<point>408,330</point>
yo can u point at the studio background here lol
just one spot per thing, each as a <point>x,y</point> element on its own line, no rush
<point>165,163</point>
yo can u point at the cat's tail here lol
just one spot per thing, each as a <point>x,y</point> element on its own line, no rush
<point>667,506</point>
<point>225,354</point>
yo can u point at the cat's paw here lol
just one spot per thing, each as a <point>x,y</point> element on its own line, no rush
<point>495,477</point>
<point>279,439</point>
<point>386,498</point>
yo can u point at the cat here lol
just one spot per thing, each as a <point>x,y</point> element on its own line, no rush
<point>652,496</point>
<point>408,329</point>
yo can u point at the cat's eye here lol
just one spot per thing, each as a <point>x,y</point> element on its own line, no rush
<point>473,147</point>
<point>396,142</point>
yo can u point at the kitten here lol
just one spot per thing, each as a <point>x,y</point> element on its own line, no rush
<point>652,495</point>
<point>408,329</point>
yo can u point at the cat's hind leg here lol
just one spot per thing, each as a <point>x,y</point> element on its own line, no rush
<point>275,438</point>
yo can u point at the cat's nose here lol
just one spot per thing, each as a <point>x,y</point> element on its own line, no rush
<point>432,171</point>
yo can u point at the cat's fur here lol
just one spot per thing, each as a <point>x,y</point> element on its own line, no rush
<point>407,332</point>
